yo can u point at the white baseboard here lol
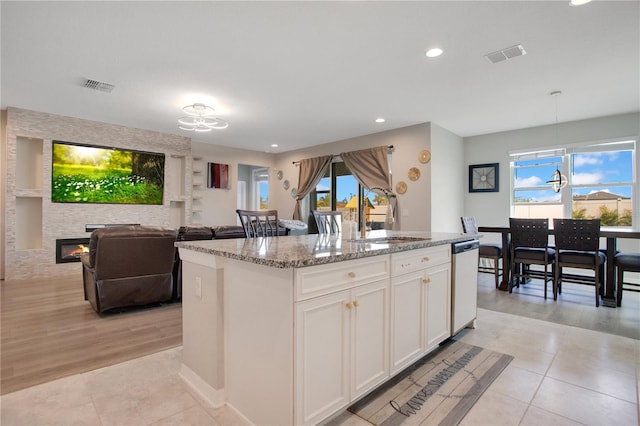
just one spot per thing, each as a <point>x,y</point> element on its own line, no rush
<point>215,397</point>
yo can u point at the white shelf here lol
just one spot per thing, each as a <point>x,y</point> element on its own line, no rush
<point>29,153</point>
<point>28,223</point>
<point>24,192</point>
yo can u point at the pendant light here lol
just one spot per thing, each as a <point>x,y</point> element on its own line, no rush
<point>558,180</point>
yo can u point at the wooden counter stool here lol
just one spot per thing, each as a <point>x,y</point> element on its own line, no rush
<point>491,251</point>
<point>529,246</point>
<point>625,262</point>
<point>578,246</point>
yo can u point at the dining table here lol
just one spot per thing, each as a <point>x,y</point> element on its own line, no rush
<point>611,234</point>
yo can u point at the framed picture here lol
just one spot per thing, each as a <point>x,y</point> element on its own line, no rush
<point>484,177</point>
<point>218,176</point>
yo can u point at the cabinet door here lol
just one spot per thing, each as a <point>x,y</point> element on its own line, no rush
<point>407,319</point>
<point>438,304</point>
<point>370,342</point>
<point>322,356</point>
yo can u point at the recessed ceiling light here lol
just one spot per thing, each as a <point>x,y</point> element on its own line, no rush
<point>274,145</point>
<point>380,120</point>
<point>432,53</point>
<point>579,2</point>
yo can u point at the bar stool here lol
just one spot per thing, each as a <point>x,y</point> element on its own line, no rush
<point>328,222</point>
<point>529,246</point>
<point>491,251</point>
<point>577,244</point>
<point>259,223</point>
<point>629,262</point>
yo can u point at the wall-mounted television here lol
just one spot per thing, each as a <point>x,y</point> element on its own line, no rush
<point>97,174</point>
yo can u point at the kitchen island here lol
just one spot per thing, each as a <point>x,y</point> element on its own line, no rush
<point>291,330</point>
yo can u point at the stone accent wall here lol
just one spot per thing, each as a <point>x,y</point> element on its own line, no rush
<point>67,220</point>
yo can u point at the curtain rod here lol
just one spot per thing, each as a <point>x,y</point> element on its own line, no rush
<point>297,163</point>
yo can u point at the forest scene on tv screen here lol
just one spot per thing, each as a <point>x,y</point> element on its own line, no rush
<point>89,174</point>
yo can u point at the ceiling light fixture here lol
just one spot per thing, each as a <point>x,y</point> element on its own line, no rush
<point>274,145</point>
<point>380,120</point>
<point>558,180</point>
<point>432,53</point>
<point>199,119</point>
<point>579,2</point>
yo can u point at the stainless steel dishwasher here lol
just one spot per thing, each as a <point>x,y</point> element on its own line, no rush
<point>464,286</point>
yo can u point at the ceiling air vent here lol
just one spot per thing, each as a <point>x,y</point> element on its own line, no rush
<point>98,85</point>
<point>506,53</point>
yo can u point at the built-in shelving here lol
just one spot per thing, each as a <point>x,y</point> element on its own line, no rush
<point>29,163</point>
<point>28,193</point>
<point>177,185</point>
<point>197,184</point>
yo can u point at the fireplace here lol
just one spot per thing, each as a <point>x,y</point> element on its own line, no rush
<point>71,249</point>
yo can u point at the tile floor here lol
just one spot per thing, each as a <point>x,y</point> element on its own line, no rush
<point>561,375</point>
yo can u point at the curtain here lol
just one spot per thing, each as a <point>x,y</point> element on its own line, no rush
<point>310,173</point>
<point>371,168</point>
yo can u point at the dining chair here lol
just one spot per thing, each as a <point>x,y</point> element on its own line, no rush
<point>328,222</point>
<point>530,246</point>
<point>626,262</point>
<point>259,223</point>
<point>577,244</point>
<point>492,251</point>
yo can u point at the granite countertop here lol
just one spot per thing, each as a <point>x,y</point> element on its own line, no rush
<point>307,250</point>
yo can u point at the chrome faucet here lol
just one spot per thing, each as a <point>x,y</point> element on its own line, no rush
<point>363,211</point>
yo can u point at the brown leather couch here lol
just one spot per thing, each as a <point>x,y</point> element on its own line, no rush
<point>197,233</point>
<point>129,266</point>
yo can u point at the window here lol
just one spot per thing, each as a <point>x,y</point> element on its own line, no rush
<point>339,190</point>
<point>600,183</point>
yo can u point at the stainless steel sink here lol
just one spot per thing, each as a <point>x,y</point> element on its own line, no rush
<point>398,239</point>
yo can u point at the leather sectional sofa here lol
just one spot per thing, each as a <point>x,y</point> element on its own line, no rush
<point>137,265</point>
<point>129,266</point>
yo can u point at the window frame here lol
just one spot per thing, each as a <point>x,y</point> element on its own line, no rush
<point>567,158</point>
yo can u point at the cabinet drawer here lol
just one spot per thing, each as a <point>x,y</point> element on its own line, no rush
<point>414,260</point>
<point>323,279</point>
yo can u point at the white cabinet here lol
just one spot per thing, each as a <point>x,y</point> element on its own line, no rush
<point>408,296</point>
<point>321,337</point>
<point>370,332</point>
<point>438,318</point>
<point>342,348</point>
<point>420,303</point>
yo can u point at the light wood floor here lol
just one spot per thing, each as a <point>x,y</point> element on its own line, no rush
<point>49,331</point>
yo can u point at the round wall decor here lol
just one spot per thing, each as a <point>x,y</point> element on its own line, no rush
<point>285,184</point>
<point>401,187</point>
<point>279,175</point>
<point>414,173</point>
<point>424,156</point>
<point>294,192</point>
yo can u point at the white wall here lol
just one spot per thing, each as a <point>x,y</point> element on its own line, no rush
<point>448,177</point>
<point>407,141</point>
<point>25,206</point>
<point>493,209</point>
<point>219,205</point>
